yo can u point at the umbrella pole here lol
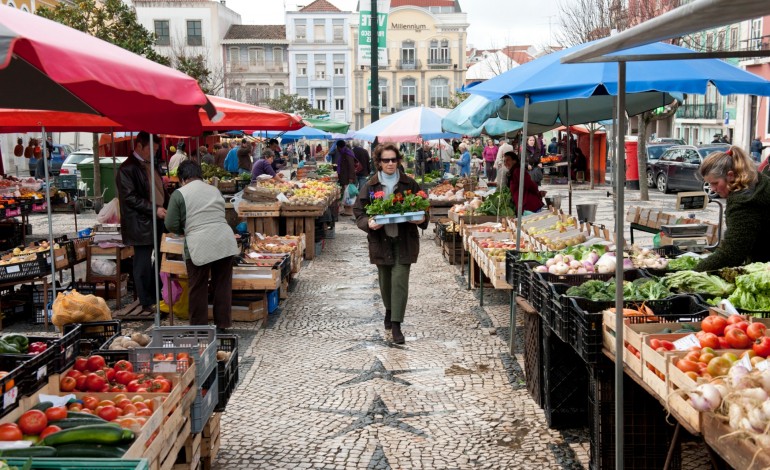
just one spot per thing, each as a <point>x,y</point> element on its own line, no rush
<point>155,233</point>
<point>619,234</point>
<point>44,156</point>
<point>569,159</point>
<point>519,213</point>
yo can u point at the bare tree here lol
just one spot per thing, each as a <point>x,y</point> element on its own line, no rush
<point>196,62</point>
<point>645,119</point>
<point>587,20</point>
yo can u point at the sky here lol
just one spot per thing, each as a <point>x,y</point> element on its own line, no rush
<point>493,23</point>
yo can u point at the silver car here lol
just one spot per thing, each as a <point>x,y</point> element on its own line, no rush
<point>70,165</point>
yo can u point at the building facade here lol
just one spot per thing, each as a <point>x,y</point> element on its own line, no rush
<point>32,5</point>
<point>754,111</point>
<point>190,28</point>
<point>256,67</point>
<point>319,57</point>
<point>426,59</point>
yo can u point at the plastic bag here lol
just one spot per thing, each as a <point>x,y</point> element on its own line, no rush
<point>104,267</point>
<point>110,213</point>
<point>237,198</point>
<point>350,195</point>
<point>74,307</point>
<point>176,289</point>
<point>181,308</point>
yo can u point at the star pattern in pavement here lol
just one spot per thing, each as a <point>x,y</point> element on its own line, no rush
<point>377,371</point>
<point>372,341</point>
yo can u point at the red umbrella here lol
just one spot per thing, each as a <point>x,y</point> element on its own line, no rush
<point>31,120</point>
<point>241,116</point>
<point>54,67</point>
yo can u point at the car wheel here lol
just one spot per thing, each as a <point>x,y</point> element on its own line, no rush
<point>650,179</point>
<point>663,183</point>
<point>707,190</point>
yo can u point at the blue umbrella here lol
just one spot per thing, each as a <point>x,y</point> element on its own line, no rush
<point>306,132</point>
<point>410,125</point>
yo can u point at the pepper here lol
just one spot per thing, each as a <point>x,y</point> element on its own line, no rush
<point>37,347</point>
<point>8,348</point>
<point>20,341</point>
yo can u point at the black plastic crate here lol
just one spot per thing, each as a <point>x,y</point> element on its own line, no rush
<point>578,279</point>
<point>36,368</point>
<point>646,433</point>
<point>10,390</point>
<point>558,313</point>
<point>227,370</point>
<point>533,356</point>
<point>34,294</point>
<point>538,290</point>
<point>111,356</point>
<point>65,349</point>
<point>96,333</point>
<point>85,288</point>
<point>565,384</point>
<point>25,270</point>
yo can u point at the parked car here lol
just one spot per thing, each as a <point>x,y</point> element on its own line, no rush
<point>59,154</point>
<point>677,168</point>
<point>668,140</point>
<point>70,165</point>
<point>654,151</point>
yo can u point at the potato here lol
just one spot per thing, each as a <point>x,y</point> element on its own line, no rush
<point>223,355</point>
<point>131,345</point>
<point>141,339</point>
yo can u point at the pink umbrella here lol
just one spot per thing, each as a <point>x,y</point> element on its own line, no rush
<point>242,116</point>
<point>411,125</point>
<point>61,69</point>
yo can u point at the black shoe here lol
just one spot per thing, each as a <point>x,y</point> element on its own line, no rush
<point>221,331</point>
<point>388,323</point>
<point>398,337</point>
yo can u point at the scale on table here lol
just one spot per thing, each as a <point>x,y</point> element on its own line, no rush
<point>690,237</point>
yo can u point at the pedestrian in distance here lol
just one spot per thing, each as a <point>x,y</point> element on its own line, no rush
<point>231,160</point>
<point>205,156</point>
<point>363,159</point>
<point>464,162</point>
<point>244,157</point>
<point>137,211</point>
<point>501,176</point>
<point>197,211</point>
<point>533,202</point>
<point>220,153</point>
<point>393,248</point>
<point>177,158</point>
<point>490,154</point>
<point>756,149</point>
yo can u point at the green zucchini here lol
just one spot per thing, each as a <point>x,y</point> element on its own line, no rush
<point>97,451</point>
<point>70,423</point>
<point>34,451</point>
<point>77,414</point>
<point>43,405</point>
<point>90,434</point>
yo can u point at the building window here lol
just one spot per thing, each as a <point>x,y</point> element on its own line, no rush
<point>235,93</point>
<point>337,30</point>
<point>439,92</point>
<point>277,55</point>
<point>734,39</point>
<point>278,90</point>
<point>302,65</point>
<point>339,104</point>
<point>721,41</point>
<point>162,35</point>
<point>438,53</point>
<point>256,56</point>
<point>710,42</point>
<point>732,100</point>
<point>320,67</point>
<point>251,93</point>
<point>320,74</point>
<point>300,30</point>
<point>194,33</point>
<point>408,92</point>
<point>755,35</point>
<point>319,31</point>
<point>320,104</point>
<point>408,54</point>
<point>235,57</point>
<point>339,69</point>
<point>383,94</point>
<point>264,92</point>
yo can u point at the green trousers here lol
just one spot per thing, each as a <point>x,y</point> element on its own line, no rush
<point>394,287</point>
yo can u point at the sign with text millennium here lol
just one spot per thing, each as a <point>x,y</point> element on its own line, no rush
<point>365,33</point>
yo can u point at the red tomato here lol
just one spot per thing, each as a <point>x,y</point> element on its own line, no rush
<point>10,432</point>
<point>74,373</point>
<point>738,339</point>
<point>686,365</point>
<point>81,383</point>
<point>667,344</point>
<point>109,372</point>
<point>96,362</point>
<point>762,346</point>
<point>90,402</point>
<point>108,413</point>
<point>735,319</point>
<point>49,430</point>
<point>160,386</point>
<point>32,422</point>
<point>655,343</point>
<point>56,413</point>
<point>130,409</point>
<point>124,377</point>
<point>124,365</point>
<point>714,324</point>
<point>117,388</point>
<point>723,344</point>
<point>756,331</point>
<point>719,366</point>
<point>709,340</point>
<point>95,383</point>
<point>81,364</point>
<point>75,406</point>
<point>67,384</point>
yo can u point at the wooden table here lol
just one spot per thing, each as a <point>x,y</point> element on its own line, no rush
<point>301,220</point>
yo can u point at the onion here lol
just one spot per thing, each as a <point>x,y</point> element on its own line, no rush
<point>764,380</point>
<point>541,269</point>
<point>582,271</point>
<point>705,397</point>
<point>757,419</point>
<point>558,258</point>
<point>569,259</point>
<point>737,374</point>
<point>627,264</point>
<point>550,262</point>
<point>575,264</point>
<point>561,268</point>
<point>592,257</point>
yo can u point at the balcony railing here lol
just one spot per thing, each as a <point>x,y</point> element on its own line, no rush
<point>408,64</point>
<point>439,63</point>
<point>699,111</point>
<point>269,66</point>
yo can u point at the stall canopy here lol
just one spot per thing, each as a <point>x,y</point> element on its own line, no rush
<point>410,125</point>
<point>327,125</point>
<point>52,67</point>
<point>30,120</point>
<point>306,132</point>
<point>245,116</point>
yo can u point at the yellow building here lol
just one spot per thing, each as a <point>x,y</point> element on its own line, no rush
<point>426,58</point>
<point>31,5</point>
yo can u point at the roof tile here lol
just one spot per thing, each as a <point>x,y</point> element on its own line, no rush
<point>320,5</point>
<point>256,31</point>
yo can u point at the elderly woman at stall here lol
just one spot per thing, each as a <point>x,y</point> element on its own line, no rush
<point>464,162</point>
<point>733,175</point>
<point>197,211</point>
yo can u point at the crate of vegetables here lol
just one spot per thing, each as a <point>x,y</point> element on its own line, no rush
<point>174,348</point>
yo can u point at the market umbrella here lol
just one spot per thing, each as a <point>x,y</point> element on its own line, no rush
<point>245,116</point>
<point>410,125</point>
<point>62,69</point>
<point>328,125</point>
<point>306,132</point>
<point>31,120</point>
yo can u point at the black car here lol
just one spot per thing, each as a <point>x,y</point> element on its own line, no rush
<point>654,151</point>
<point>677,168</point>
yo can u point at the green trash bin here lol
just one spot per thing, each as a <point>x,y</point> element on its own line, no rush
<point>107,169</point>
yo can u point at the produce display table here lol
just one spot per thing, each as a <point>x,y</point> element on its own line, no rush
<point>260,217</point>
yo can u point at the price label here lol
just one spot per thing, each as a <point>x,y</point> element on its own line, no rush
<point>10,269</point>
<point>68,352</point>
<point>260,236</point>
<point>165,366</point>
<point>42,372</point>
<point>763,365</point>
<point>683,344</point>
<point>282,197</point>
<point>745,362</point>
<point>9,397</point>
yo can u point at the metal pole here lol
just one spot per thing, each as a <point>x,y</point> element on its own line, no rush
<point>375,91</point>
<point>619,178</point>
<point>44,156</point>
<point>519,212</point>
<point>569,158</point>
<point>155,232</point>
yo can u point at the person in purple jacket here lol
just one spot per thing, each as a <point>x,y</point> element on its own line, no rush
<point>265,167</point>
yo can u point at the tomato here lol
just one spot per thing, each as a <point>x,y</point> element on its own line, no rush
<point>32,422</point>
<point>686,365</point>
<point>706,358</point>
<point>56,413</point>
<point>106,403</point>
<point>109,413</point>
<point>49,430</point>
<point>124,377</point>
<point>183,355</point>
<point>81,364</point>
<point>150,404</point>
<point>75,406</point>
<point>692,375</point>
<point>95,383</point>
<point>738,339</point>
<point>730,357</point>
<point>123,365</point>
<point>87,411</point>
<point>119,397</point>
<point>708,350</point>
<point>714,324</point>
<point>709,340</point>
<point>160,386</point>
<point>90,402</point>
<point>130,410</point>
<point>123,402</point>
<point>140,405</point>
<point>117,388</point>
<point>723,344</point>
<point>137,398</point>
<point>667,344</point>
<point>719,366</point>
<point>732,319</point>
<point>133,386</point>
<point>81,383</point>
<point>145,412</point>
<point>109,372</point>
<point>756,331</point>
<point>73,373</point>
<point>691,356</point>
<point>655,343</point>
<point>96,362</point>
<point>762,346</point>
<point>67,384</point>
<point>10,432</point>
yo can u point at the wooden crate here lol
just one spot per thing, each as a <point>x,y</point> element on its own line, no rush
<point>253,311</point>
<point>678,404</point>
<point>632,361</point>
<point>189,455</point>
<point>283,292</point>
<point>176,267</point>
<point>256,278</point>
<point>303,211</point>
<point>655,363</point>
<point>210,441</point>
<point>303,226</point>
<point>259,209</point>
<point>263,225</point>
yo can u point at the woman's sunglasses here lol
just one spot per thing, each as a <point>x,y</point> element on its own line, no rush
<point>389,160</point>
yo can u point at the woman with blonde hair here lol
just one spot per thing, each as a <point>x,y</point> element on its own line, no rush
<point>733,175</point>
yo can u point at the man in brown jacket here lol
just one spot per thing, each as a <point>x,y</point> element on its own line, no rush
<point>220,152</point>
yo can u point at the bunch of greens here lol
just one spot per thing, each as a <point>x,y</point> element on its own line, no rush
<point>683,263</point>
<point>498,203</point>
<point>640,289</point>
<point>211,171</point>
<point>752,291</point>
<point>324,169</point>
<point>539,256</point>
<point>696,282</point>
<point>581,252</point>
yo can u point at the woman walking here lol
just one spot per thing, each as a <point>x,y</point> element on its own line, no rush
<point>392,247</point>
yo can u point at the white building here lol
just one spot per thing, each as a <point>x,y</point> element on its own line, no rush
<point>190,28</point>
<point>320,57</point>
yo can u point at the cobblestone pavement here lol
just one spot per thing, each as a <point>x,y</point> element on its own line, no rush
<point>327,388</point>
